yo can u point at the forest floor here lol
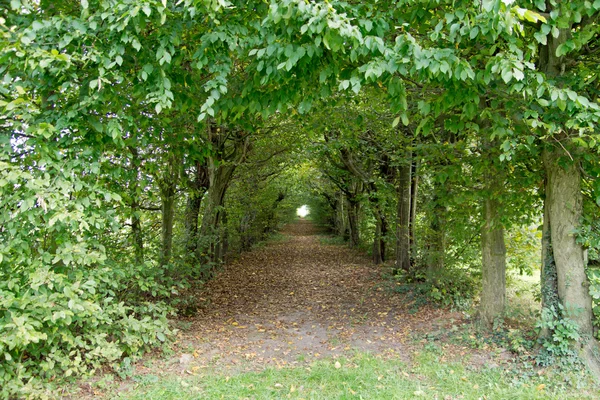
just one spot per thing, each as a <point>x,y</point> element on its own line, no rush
<point>301,306</point>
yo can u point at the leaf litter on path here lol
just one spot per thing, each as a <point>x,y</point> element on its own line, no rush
<point>296,301</point>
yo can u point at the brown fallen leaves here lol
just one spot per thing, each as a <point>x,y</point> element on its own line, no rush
<point>293,301</point>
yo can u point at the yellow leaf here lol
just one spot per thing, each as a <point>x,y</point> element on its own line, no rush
<point>540,387</point>
<point>338,365</point>
<point>292,389</point>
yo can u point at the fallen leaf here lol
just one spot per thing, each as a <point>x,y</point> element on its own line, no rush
<point>338,365</point>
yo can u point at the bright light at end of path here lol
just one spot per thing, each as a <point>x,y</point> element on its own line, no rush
<point>302,211</point>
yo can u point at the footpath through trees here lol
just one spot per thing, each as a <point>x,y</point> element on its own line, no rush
<point>299,298</point>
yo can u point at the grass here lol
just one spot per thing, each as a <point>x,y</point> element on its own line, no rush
<point>361,376</point>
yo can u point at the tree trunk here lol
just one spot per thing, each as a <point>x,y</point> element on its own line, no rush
<point>548,278</point>
<point>403,218</point>
<point>168,217</point>
<point>413,210</point>
<point>136,231</point>
<point>493,257</point>
<point>564,209</point>
<point>209,229</point>
<point>563,203</point>
<point>353,210</point>
<point>136,219</point>
<point>223,238</point>
<point>384,232</point>
<point>340,216</point>
<point>192,209</point>
<point>437,239</point>
<point>221,166</point>
<point>378,257</point>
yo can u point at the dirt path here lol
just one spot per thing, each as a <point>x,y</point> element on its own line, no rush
<point>294,301</point>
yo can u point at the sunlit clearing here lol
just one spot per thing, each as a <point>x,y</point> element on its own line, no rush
<point>302,211</point>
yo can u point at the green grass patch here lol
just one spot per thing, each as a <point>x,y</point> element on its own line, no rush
<point>362,376</point>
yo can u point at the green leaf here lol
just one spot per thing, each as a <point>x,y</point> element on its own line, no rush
<point>518,74</point>
<point>135,43</point>
<point>474,32</point>
<point>404,119</point>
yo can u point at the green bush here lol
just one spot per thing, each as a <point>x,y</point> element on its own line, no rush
<point>562,334</point>
<point>448,288</point>
<point>56,325</point>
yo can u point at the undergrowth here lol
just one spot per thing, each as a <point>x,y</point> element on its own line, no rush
<point>454,289</point>
<point>60,324</point>
<point>361,376</point>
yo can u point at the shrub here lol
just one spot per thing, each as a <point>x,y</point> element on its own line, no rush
<point>62,324</point>
<point>448,288</point>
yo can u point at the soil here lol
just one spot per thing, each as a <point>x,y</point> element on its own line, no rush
<point>296,300</point>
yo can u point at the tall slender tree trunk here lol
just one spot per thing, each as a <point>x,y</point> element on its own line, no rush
<point>340,216</point>
<point>168,218</point>
<point>223,242</point>
<point>403,218</point>
<point>493,260</point>
<point>136,231</point>
<point>136,218</point>
<point>414,188</point>
<point>437,238</point>
<point>353,211</point>
<point>168,190</point>
<point>192,209</point>
<point>378,256</point>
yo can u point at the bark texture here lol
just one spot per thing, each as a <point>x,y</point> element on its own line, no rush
<point>168,190</point>
<point>564,209</point>
<point>493,257</point>
<point>403,218</point>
